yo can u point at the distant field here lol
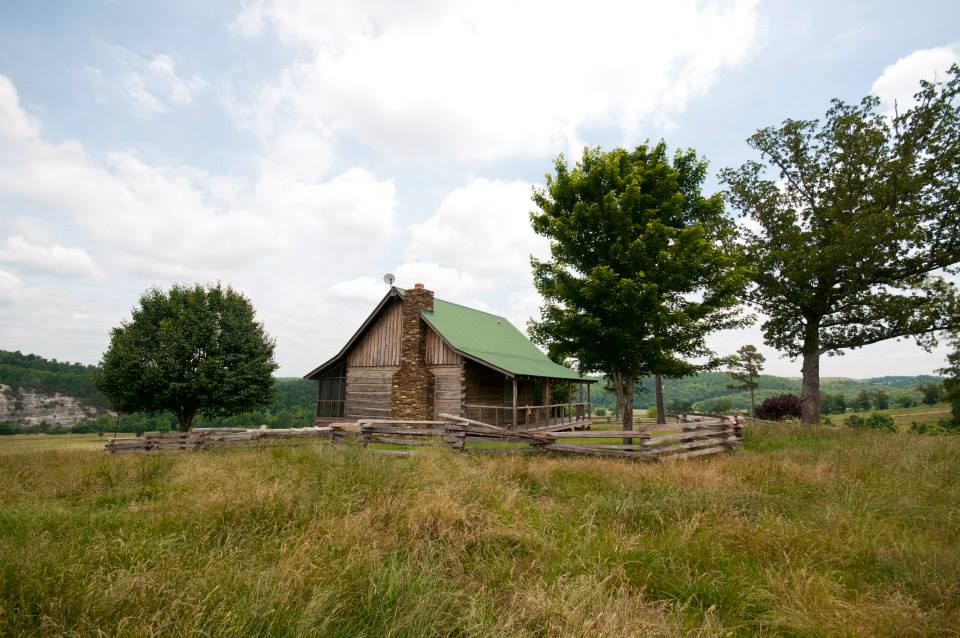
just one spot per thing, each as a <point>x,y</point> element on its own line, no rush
<point>905,416</point>
<point>51,442</point>
<point>804,532</point>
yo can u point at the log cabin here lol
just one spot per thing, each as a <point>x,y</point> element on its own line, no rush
<point>416,357</point>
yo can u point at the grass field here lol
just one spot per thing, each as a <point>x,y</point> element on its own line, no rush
<point>801,533</point>
<point>903,417</point>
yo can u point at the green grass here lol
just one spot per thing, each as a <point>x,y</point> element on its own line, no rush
<point>803,532</point>
<point>903,417</point>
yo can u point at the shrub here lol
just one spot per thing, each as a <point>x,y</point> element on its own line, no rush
<point>926,427</point>
<point>853,421</point>
<point>906,401</point>
<point>600,412</point>
<point>880,421</point>
<point>776,408</point>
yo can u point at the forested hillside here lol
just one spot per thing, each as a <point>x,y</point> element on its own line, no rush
<point>293,406</point>
<point>703,391</point>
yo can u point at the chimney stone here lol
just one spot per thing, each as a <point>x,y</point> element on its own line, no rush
<point>412,386</point>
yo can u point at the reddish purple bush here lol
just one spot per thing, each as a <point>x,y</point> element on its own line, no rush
<point>776,408</point>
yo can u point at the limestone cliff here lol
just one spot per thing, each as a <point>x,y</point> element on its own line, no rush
<point>26,408</point>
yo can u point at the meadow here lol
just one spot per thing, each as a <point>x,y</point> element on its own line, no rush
<point>826,532</point>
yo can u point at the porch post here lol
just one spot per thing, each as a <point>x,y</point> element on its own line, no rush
<point>589,404</point>
<point>514,402</point>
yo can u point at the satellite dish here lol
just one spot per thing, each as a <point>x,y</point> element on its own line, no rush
<point>389,279</point>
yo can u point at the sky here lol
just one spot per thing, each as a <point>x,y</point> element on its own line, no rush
<point>298,150</point>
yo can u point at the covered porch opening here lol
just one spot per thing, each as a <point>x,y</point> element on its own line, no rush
<point>523,402</point>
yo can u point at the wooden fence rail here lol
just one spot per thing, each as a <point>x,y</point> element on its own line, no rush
<point>689,436</point>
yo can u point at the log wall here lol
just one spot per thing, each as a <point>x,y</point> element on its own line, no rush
<point>438,352</point>
<point>380,345</point>
<point>449,389</point>
<point>368,391</point>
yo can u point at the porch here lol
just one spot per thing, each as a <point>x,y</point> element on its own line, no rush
<point>525,402</point>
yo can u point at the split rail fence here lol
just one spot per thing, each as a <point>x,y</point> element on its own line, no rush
<point>689,436</point>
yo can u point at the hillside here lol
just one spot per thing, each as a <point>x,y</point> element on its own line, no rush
<point>62,394</point>
<point>40,394</point>
<point>701,391</point>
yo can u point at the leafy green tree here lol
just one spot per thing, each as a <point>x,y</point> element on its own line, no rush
<point>833,404</point>
<point>880,399</point>
<point>863,401</point>
<point>192,350</point>
<point>745,367</point>
<point>951,385</point>
<point>906,401</point>
<point>854,218</point>
<point>641,266</point>
<point>932,392</point>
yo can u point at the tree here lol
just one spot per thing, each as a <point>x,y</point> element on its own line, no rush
<point>951,385</point>
<point>833,404</point>
<point>863,401</point>
<point>852,231</point>
<point>192,350</point>
<point>642,266</point>
<point>745,366</point>
<point>880,399</point>
<point>932,392</point>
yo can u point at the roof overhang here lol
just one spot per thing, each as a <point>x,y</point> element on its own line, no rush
<point>315,373</point>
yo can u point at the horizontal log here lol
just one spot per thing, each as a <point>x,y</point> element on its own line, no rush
<point>693,445</point>
<point>599,434</point>
<point>595,451</point>
<point>453,417</point>
<point>399,441</point>
<point>681,436</point>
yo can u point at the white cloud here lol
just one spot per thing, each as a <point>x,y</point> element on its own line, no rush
<point>11,288</point>
<point>366,290</point>
<point>901,80</point>
<point>173,220</point>
<point>482,227</point>
<point>15,124</point>
<point>155,86</point>
<point>49,258</point>
<point>480,80</point>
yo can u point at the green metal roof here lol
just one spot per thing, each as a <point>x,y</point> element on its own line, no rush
<point>493,340</point>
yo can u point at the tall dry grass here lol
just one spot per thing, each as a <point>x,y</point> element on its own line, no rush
<point>802,533</point>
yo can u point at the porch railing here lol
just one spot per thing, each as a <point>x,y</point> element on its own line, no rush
<point>529,416</point>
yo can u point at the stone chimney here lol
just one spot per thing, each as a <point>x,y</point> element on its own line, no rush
<point>411,395</point>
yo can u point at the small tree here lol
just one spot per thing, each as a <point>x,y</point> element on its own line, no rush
<point>834,404</point>
<point>745,367</point>
<point>951,385</point>
<point>863,401</point>
<point>881,400</point>
<point>855,218</point>
<point>932,392</point>
<point>192,350</point>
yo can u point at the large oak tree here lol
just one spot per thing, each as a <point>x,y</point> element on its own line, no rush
<point>854,218</point>
<point>641,268</point>
<point>192,350</point>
